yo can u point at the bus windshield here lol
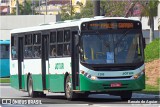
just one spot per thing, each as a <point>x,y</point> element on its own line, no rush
<point>118,47</point>
<point>4,50</point>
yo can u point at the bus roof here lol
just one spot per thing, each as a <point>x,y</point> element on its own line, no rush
<point>4,41</point>
<point>66,23</point>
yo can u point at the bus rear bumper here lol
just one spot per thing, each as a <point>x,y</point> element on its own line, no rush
<point>87,84</point>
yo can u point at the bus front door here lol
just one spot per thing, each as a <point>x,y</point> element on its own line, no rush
<point>75,60</point>
<point>20,62</point>
<point>45,63</point>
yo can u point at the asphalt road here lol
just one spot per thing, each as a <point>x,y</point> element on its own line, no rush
<point>97,100</point>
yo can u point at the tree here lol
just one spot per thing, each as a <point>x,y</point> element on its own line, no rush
<point>24,9</point>
<point>150,10</point>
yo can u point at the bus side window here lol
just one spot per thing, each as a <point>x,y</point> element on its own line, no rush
<point>67,47</point>
<point>13,48</point>
<point>59,43</point>
<point>28,46</point>
<point>53,41</point>
<point>37,45</point>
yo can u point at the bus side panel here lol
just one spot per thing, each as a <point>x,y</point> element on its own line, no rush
<point>4,68</point>
<point>14,74</point>
<point>33,66</point>
<point>56,82</point>
<point>57,69</point>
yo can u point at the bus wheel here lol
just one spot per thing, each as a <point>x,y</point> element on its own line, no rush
<point>69,94</point>
<point>126,95</point>
<point>30,88</point>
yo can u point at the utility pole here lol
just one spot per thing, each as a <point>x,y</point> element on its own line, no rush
<point>71,6</point>
<point>96,7</point>
<point>39,6</point>
<point>24,4</point>
<point>46,7</point>
<point>17,7</point>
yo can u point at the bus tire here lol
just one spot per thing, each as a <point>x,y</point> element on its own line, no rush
<point>69,94</point>
<point>31,93</point>
<point>126,95</point>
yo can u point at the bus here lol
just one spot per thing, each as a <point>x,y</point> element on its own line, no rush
<point>4,58</point>
<point>79,57</point>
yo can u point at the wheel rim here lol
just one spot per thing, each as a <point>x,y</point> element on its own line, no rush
<point>30,88</point>
<point>68,88</point>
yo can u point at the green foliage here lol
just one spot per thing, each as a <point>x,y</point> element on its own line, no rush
<point>107,8</point>
<point>24,10</point>
<point>152,50</point>
<point>4,80</point>
<point>149,8</point>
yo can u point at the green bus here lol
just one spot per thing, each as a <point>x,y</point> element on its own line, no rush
<point>79,57</point>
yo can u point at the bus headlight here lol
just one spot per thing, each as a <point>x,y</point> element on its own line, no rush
<point>88,75</point>
<point>139,74</point>
<point>93,77</point>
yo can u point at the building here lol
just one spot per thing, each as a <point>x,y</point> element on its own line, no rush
<point>54,6</point>
<point>159,16</point>
<point>13,4</point>
<point>4,7</point>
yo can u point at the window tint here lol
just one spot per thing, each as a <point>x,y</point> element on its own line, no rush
<point>60,49</point>
<point>66,36</point>
<point>4,51</point>
<point>37,38</point>
<point>27,51</point>
<point>53,50</point>
<point>37,45</point>
<point>60,36</point>
<point>28,39</point>
<point>67,49</point>
<point>13,47</point>
<point>53,37</point>
<point>37,51</point>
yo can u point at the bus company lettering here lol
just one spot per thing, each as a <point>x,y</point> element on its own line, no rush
<point>59,66</point>
<point>127,73</point>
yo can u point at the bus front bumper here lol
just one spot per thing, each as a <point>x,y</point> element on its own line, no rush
<point>87,84</point>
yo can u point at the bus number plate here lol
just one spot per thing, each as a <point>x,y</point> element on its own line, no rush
<point>116,85</point>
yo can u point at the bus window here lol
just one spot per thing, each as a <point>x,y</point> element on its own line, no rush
<point>28,46</point>
<point>60,49</point>
<point>67,42</point>
<point>37,45</point>
<point>66,36</point>
<point>37,51</point>
<point>13,48</point>
<point>37,38</point>
<point>67,49</point>
<point>53,37</point>
<point>53,50</point>
<point>60,36</point>
<point>4,50</point>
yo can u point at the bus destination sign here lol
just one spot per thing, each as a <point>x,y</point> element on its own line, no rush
<point>110,25</point>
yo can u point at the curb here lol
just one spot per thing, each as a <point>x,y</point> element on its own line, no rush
<point>4,84</point>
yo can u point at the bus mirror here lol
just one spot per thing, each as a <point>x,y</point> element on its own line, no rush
<point>144,43</point>
<point>76,40</point>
